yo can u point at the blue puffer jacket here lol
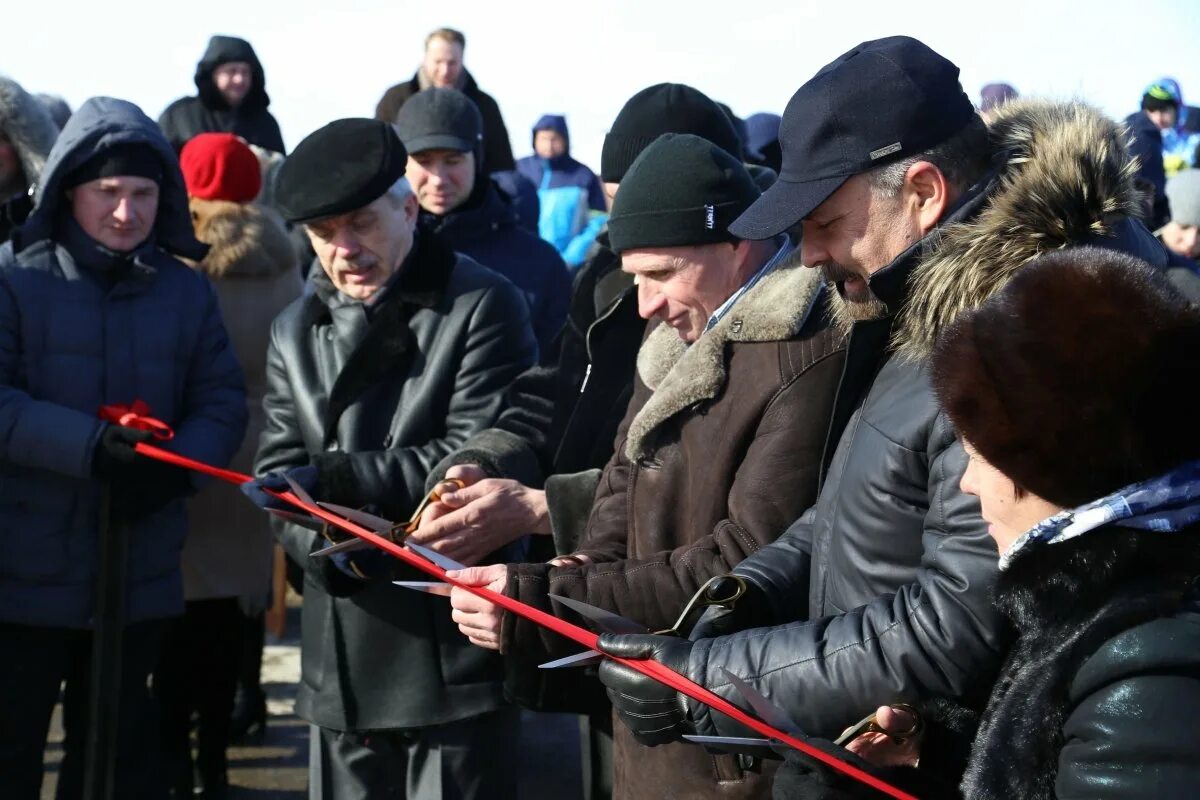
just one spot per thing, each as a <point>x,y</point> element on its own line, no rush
<point>572,208</point>
<point>70,343</point>
<point>485,228</point>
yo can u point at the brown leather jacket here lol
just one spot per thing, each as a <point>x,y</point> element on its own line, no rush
<point>718,453</point>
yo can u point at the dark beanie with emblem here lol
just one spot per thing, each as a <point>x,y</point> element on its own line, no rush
<point>339,168</point>
<point>681,191</point>
<point>662,108</point>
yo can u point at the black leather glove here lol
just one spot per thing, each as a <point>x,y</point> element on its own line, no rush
<point>751,610</point>
<point>656,714</point>
<point>114,452</point>
<point>146,487</point>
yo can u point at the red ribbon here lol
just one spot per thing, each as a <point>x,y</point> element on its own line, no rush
<point>135,416</point>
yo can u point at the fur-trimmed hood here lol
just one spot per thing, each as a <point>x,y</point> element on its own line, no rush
<point>681,376</point>
<point>27,124</point>
<point>1067,179</point>
<point>245,241</point>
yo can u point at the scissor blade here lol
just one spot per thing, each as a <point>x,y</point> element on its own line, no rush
<point>734,744</point>
<point>606,621</point>
<point>298,490</point>
<point>369,521</point>
<point>578,660</point>
<point>348,546</point>
<point>303,520</point>
<point>434,556</point>
<point>429,587</point>
<point>767,711</point>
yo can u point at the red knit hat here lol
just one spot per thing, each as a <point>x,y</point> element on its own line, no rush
<point>220,166</point>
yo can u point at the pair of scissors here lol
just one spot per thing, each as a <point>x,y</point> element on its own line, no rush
<point>393,531</point>
<point>869,724</point>
<point>721,591</point>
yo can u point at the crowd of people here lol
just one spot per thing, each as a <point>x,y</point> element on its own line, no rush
<point>894,401</point>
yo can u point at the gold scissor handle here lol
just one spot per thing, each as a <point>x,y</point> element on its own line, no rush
<point>440,488</point>
<point>705,597</point>
<point>869,724</point>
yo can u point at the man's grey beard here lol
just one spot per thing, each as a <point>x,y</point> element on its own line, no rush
<point>844,313</point>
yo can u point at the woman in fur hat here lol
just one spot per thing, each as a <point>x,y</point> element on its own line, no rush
<point>1067,390</point>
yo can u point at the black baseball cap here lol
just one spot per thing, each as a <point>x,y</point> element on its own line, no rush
<point>440,119</point>
<point>881,101</point>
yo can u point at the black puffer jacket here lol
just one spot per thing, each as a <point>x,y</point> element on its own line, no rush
<point>881,591</point>
<point>374,402</point>
<point>208,112</point>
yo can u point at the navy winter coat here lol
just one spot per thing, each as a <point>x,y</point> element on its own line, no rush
<point>73,339</point>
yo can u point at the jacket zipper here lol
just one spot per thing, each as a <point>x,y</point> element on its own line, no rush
<point>587,338</point>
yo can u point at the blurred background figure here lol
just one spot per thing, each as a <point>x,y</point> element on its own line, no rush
<point>1179,123</point>
<point>762,140</point>
<point>27,133</point>
<point>993,95</point>
<point>231,98</point>
<point>571,201</point>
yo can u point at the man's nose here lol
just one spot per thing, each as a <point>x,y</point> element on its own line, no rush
<point>124,210</point>
<point>650,300</point>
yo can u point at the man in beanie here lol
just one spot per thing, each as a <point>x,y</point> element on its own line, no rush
<point>537,470</point>
<point>227,557</point>
<point>97,309</point>
<point>231,98</point>
<point>732,397</point>
<point>1182,234</point>
<point>572,205</point>
<point>402,350</point>
<point>442,68</point>
<point>881,589</point>
<point>444,135</point>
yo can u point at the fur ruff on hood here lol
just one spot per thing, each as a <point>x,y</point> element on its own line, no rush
<point>246,241</point>
<point>1068,178</point>
<point>27,124</point>
<point>681,376</point>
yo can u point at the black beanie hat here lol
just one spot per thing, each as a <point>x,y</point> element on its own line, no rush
<point>682,190</point>
<point>130,158</point>
<point>339,168</point>
<point>1068,379</point>
<point>659,109</point>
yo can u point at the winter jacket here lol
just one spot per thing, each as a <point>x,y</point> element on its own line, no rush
<point>373,400</point>
<point>70,344</point>
<point>497,150</point>
<point>208,111</point>
<point>1145,143</point>
<point>571,203</point>
<point>252,264</point>
<point>1100,692</point>
<point>485,228</point>
<point>718,453</point>
<point>27,126</point>
<point>881,591</point>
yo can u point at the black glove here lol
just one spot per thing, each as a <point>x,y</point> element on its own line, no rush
<point>146,487</point>
<point>656,714</point>
<point>803,777</point>
<point>751,610</point>
<point>114,451</point>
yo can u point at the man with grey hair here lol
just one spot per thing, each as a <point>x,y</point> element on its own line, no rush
<point>401,351</point>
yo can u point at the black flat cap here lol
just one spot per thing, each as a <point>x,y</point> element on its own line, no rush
<point>339,168</point>
<point>440,119</point>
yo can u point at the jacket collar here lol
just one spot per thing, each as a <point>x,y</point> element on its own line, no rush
<point>681,376</point>
<point>482,214</point>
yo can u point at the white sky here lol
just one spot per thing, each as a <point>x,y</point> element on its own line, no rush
<point>326,59</point>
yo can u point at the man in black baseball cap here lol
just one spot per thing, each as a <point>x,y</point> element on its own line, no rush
<point>402,350</point>
<point>913,210</point>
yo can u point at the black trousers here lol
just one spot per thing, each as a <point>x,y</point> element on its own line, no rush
<point>35,663</point>
<point>197,673</point>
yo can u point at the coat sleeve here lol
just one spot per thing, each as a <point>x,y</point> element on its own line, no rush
<point>35,433</point>
<point>497,147</point>
<point>936,636</point>
<point>785,452</point>
<point>498,346</point>
<point>555,299</point>
<point>214,416</point>
<point>1130,729</point>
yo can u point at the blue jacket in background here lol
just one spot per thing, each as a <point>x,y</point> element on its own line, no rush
<point>486,229</point>
<point>1146,143</point>
<point>73,339</point>
<point>572,208</point>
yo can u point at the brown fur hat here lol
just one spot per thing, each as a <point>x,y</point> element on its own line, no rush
<point>1078,377</point>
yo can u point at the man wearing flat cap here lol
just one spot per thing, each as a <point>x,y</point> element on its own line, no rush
<point>96,309</point>
<point>401,351</point>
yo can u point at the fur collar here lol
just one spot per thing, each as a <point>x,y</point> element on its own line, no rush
<point>681,376</point>
<point>1066,601</point>
<point>28,125</point>
<point>1068,178</point>
<point>246,241</point>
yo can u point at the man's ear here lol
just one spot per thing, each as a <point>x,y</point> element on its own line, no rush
<point>927,193</point>
<point>412,207</point>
